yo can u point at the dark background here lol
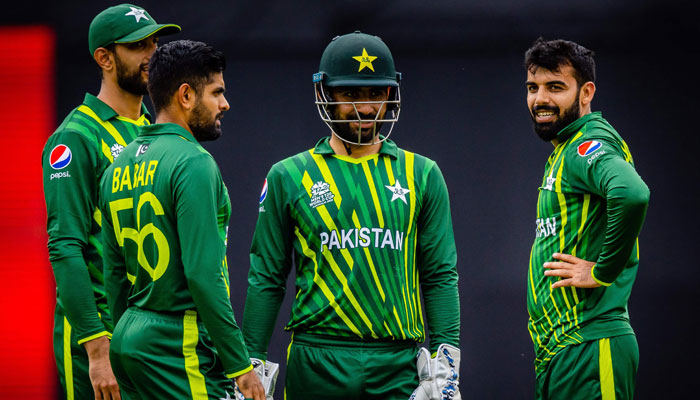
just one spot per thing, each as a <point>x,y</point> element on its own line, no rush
<point>463,106</point>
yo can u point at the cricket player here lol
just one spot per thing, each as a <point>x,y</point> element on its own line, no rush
<point>121,41</point>
<point>368,227</point>
<point>166,213</point>
<point>590,210</point>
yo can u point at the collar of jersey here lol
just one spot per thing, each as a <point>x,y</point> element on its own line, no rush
<point>106,112</point>
<point>166,129</point>
<point>576,126</point>
<point>323,146</point>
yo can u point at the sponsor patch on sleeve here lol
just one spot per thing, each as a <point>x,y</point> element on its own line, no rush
<point>60,157</point>
<point>263,195</point>
<point>591,149</point>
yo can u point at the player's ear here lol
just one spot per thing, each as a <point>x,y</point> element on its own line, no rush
<point>186,96</point>
<point>104,59</point>
<point>586,94</point>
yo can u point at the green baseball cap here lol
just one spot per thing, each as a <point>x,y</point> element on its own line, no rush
<point>125,23</point>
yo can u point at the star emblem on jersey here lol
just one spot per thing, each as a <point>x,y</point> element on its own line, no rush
<point>398,192</point>
<point>365,60</point>
<point>550,183</point>
<point>116,150</point>
<point>138,14</point>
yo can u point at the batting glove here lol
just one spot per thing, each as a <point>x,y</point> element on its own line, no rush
<point>438,376</point>
<point>267,373</point>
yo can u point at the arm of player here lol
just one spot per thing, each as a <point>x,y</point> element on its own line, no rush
<point>196,190</point>
<point>270,264</point>
<point>114,266</point>
<point>70,192</point>
<point>627,196</point>
<point>436,255</point>
<point>627,199</point>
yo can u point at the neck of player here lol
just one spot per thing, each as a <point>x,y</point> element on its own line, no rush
<point>353,150</point>
<point>126,104</point>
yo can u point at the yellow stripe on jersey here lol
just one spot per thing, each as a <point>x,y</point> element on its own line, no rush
<point>322,284</point>
<point>389,171</point>
<point>396,315</point>
<point>368,256</point>
<point>373,192</point>
<point>190,337</point>
<point>67,360</point>
<point>97,215</point>
<point>105,124</point>
<point>607,379</point>
<point>327,176</point>
<point>142,121</point>
<point>107,152</point>
<point>224,267</point>
<point>410,320</point>
<point>626,151</point>
<point>532,279</point>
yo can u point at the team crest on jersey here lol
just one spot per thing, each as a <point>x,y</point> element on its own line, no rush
<point>588,148</point>
<point>116,150</point>
<point>321,194</point>
<point>60,157</point>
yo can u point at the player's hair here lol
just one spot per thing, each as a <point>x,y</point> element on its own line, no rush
<point>554,54</point>
<point>178,62</point>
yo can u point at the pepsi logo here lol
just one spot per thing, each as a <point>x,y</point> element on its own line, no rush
<point>263,194</point>
<point>60,157</point>
<point>587,148</point>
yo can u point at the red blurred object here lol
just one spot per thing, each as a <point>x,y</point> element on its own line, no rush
<point>27,298</point>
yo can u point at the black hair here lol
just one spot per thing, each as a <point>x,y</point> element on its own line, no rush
<point>554,54</point>
<point>178,62</point>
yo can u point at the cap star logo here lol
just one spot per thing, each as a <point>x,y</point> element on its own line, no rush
<point>138,14</point>
<point>397,192</point>
<point>365,60</point>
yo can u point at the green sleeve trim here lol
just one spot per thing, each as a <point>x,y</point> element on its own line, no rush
<point>596,279</point>
<point>239,373</point>
<point>95,336</point>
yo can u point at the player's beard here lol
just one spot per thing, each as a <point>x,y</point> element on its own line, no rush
<point>345,132</point>
<point>130,80</point>
<point>203,126</point>
<point>549,130</point>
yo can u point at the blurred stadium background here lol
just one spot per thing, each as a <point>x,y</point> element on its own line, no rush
<point>463,105</point>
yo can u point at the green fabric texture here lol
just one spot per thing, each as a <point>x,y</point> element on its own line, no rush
<point>156,368</point>
<point>73,222</point>
<point>575,372</point>
<point>367,236</point>
<point>75,384</point>
<point>347,370</point>
<point>591,204</point>
<point>166,213</point>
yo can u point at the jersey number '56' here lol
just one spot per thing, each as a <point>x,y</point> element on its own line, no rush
<point>140,234</point>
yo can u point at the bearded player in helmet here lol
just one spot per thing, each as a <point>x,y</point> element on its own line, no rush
<point>367,226</point>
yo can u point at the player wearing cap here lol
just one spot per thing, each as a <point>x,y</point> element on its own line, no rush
<point>584,259</point>
<point>165,226</point>
<point>368,227</point>
<point>121,41</point>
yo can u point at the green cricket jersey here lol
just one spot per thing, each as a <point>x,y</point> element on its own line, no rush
<point>73,160</point>
<point>166,213</point>
<point>591,204</point>
<point>364,234</point>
